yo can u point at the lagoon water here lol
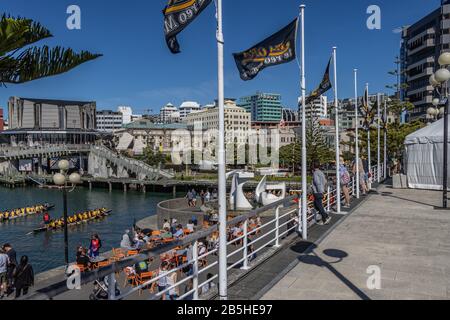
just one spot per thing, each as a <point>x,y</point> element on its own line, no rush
<point>46,250</point>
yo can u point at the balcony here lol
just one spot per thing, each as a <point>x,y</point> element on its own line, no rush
<point>426,72</point>
<point>422,89</point>
<point>426,44</point>
<point>421,62</point>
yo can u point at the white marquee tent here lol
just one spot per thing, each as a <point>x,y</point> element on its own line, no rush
<point>424,157</point>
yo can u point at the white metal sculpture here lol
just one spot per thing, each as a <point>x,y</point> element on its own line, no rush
<point>267,194</point>
<point>238,200</point>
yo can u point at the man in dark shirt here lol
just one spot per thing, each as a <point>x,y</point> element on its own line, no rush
<point>83,259</point>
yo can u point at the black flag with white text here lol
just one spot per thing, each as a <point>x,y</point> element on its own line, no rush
<point>178,14</point>
<point>324,86</point>
<point>275,50</point>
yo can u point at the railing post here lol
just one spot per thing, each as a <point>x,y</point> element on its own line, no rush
<point>328,199</point>
<point>112,286</point>
<point>195,269</point>
<point>245,244</point>
<point>277,227</point>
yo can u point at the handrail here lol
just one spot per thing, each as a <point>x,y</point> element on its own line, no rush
<point>284,224</point>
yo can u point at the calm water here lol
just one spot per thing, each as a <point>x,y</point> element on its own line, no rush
<point>46,250</point>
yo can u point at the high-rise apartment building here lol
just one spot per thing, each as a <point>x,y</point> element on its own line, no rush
<point>423,42</point>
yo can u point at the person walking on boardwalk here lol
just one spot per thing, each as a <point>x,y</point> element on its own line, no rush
<point>345,180</point>
<point>319,185</point>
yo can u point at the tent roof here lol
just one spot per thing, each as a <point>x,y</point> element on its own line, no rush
<point>433,133</point>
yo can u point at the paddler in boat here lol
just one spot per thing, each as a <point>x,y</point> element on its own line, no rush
<point>46,218</point>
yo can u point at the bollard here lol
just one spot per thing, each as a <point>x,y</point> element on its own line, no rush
<point>245,244</point>
<point>112,286</point>
<point>277,227</point>
<point>328,199</point>
<point>195,270</point>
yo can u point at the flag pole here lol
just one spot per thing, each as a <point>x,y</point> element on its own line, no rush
<point>304,218</point>
<point>357,135</point>
<point>369,158</point>
<point>338,153</point>
<point>385,138</point>
<point>378,137</point>
<point>222,188</point>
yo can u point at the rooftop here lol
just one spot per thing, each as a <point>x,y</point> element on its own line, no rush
<point>56,102</point>
<point>148,125</point>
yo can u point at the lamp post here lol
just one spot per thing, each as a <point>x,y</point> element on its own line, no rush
<point>440,79</point>
<point>61,181</point>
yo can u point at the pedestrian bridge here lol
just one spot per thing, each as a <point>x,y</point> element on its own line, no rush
<point>103,162</point>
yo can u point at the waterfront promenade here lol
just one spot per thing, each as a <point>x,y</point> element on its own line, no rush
<point>396,230</point>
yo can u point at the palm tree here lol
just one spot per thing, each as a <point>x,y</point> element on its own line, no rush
<point>19,64</point>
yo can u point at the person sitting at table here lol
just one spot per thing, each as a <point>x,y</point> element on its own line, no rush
<point>191,226</point>
<point>141,267</point>
<point>166,234</point>
<point>126,241</point>
<point>83,259</point>
<point>166,224</point>
<point>180,232</point>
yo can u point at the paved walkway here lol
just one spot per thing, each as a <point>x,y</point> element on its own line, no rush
<point>396,230</point>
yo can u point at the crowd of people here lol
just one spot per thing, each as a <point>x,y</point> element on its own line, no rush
<point>205,197</point>
<point>320,184</point>
<point>15,276</point>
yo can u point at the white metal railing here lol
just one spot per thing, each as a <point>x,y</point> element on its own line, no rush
<point>251,238</point>
<point>283,223</point>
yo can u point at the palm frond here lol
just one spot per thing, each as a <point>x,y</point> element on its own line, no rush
<point>16,33</point>
<point>35,63</point>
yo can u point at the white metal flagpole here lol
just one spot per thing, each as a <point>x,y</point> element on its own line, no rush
<point>338,153</point>
<point>222,188</point>
<point>369,158</point>
<point>357,136</point>
<point>304,224</point>
<point>385,139</point>
<point>378,137</point>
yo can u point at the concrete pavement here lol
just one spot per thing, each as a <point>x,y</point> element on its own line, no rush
<point>396,232</point>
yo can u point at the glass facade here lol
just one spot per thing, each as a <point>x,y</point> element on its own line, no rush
<point>264,107</point>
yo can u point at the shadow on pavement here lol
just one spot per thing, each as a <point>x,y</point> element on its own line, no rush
<point>313,259</point>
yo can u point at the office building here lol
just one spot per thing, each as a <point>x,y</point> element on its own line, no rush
<point>263,107</point>
<point>40,121</point>
<point>109,121</point>
<point>187,108</point>
<point>166,112</point>
<point>317,109</point>
<point>127,113</point>
<point>237,120</point>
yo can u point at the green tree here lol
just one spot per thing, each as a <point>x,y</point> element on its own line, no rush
<point>20,62</point>
<point>318,148</point>
<point>316,144</point>
<point>153,158</point>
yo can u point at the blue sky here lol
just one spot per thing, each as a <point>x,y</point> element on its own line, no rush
<point>138,70</point>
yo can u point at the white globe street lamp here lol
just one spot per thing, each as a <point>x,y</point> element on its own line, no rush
<point>444,59</point>
<point>63,165</point>
<point>59,179</point>
<point>442,75</point>
<point>75,178</point>
<point>433,81</point>
<point>436,102</point>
